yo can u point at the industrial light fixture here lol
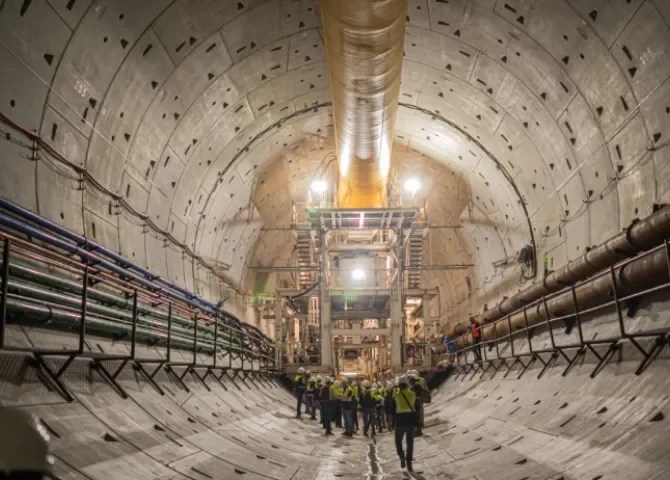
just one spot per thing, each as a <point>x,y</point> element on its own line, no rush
<point>412,185</point>
<point>358,274</point>
<point>319,186</point>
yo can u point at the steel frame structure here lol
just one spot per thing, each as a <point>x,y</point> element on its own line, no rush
<point>148,368</point>
<point>574,351</point>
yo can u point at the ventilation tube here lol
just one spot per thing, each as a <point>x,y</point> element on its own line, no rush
<point>364,45</point>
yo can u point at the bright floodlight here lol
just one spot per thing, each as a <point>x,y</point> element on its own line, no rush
<point>319,186</point>
<point>358,274</point>
<point>412,185</point>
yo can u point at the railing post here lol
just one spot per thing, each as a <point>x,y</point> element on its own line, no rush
<point>169,332</point>
<point>133,340</point>
<point>84,299</point>
<point>195,338</point>
<point>577,315</point>
<point>509,335</point>
<point>216,336</point>
<point>615,293</point>
<point>525,321</point>
<point>5,288</point>
<point>551,330</point>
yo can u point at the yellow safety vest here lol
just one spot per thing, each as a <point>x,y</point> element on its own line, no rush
<point>335,392</point>
<point>354,391</point>
<point>404,400</point>
<point>311,386</point>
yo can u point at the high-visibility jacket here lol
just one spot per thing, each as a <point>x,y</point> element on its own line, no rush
<point>405,401</point>
<point>354,390</point>
<point>311,386</point>
<point>319,385</point>
<point>336,393</point>
<point>379,401</point>
<point>476,330</point>
<point>300,382</point>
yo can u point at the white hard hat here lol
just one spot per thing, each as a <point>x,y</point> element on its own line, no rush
<point>345,380</point>
<point>328,379</point>
<point>366,383</point>
<point>337,383</point>
<point>374,385</point>
<point>374,390</point>
<point>312,380</point>
<point>301,370</point>
<point>307,372</point>
<point>318,378</point>
<point>403,380</point>
<point>389,384</point>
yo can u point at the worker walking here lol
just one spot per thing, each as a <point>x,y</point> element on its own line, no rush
<point>355,390</point>
<point>379,410</point>
<point>389,406</point>
<point>415,383</point>
<point>299,387</point>
<point>406,421</point>
<point>368,407</point>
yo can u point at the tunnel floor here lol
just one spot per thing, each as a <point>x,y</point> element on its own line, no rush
<point>574,427</point>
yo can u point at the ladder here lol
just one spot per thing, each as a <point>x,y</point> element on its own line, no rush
<point>415,257</point>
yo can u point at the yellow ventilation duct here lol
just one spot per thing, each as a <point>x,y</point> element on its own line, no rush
<point>364,44</point>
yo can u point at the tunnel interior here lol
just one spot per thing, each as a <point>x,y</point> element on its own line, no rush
<point>185,135</point>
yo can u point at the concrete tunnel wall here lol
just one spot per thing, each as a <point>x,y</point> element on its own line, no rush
<point>611,427</point>
<point>161,101</point>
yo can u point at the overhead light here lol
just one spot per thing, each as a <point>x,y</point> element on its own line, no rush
<point>358,274</point>
<point>412,185</point>
<point>319,186</point>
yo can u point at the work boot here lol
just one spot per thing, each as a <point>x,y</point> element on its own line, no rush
<point>402,461</point>
<point>409,466</point>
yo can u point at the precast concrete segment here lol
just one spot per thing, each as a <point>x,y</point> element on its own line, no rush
<point>490,428</point>
<point>570,97</point>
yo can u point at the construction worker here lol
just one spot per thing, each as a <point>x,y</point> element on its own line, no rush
<point>336,394</point>
<point>389,405</point>
<point>405,421</point>
<point>355,390</point>
<point>299,387</point>
<point>379,410</point>
<point>324,400</point>
<point>368,406</point>
<point>346,404</point>
<point>310,393</point>
<point>317,403</point>
<point>476,330</point>
<point>415,386</point>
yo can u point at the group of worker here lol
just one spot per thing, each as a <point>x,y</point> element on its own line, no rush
<point>396,406</point>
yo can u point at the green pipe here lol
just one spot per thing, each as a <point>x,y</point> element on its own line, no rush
<point>43,315</point>
<point>42,278</point>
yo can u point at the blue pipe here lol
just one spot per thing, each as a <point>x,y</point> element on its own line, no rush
<point>93,259</point>
<point>83,242</point>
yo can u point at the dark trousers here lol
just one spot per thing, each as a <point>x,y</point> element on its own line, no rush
<point>337,415</point>
<point>402,431</point>
<point>327,416</point>
<point>478,348</point>
<point>390,419</point>
<point>368,420</point>
<point>298,395</point>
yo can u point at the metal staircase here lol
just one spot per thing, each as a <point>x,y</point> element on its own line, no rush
<point>415,257</point>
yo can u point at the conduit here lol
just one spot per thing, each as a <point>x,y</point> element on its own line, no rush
<point>643,273</point>
<point>364,43</point>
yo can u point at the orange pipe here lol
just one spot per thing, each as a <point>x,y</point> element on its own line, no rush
<point>364,46</point>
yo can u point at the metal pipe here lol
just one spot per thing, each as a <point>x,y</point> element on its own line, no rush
<point>364,47</point>
<point>640,236</point>
<point>636,276</point>
<point>184,295</point>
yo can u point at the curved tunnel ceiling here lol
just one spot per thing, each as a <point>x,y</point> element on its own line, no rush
<point>170,104</point>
